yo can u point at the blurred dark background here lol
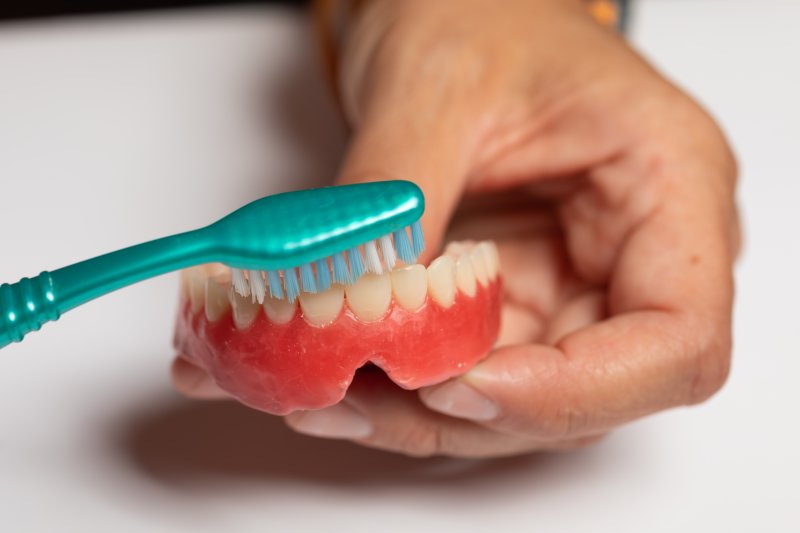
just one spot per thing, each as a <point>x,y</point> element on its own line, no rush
<point>22,9</point>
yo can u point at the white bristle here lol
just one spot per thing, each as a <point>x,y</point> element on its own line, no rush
<point>387,249</point>
<point>373,260</point>
<point>239,282</point>
<point>258,287</point>
<point>285,284</point>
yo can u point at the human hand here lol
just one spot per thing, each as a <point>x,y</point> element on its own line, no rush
<point>609,192</point>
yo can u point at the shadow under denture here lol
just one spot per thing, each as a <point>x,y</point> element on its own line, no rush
<point>206,444</point>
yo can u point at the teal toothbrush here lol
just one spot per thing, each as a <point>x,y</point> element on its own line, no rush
<point>281,244</point>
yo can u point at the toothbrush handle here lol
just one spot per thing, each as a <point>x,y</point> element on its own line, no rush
<point>31,302</point>
<point>25,306</point>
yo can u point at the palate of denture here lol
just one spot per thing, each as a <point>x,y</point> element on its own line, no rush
<point>321,309</point>
<point>216,299</point>
<point>442,280</point>
<point>279,311</point>
<point>410,286</point>
<point>245,310</point>
<point>465,275</point>
<point>370,296</point>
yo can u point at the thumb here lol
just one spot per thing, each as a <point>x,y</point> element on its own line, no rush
<point>398,145</point>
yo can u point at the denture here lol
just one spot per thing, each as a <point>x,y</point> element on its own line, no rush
<point>419,325</point>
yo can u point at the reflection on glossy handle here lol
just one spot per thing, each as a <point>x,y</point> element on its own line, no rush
<point>25,306</point>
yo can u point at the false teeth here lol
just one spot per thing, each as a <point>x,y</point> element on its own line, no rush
<point>442,281</point>
<point>196,286</point>
<point>245,310</point>
<point>322,308</point>
<point>465,275</point>
<point>216,299</point>
<point>410,286</point>
<point>492,258</point>
<point>279,311</point>
<point>370,296</point>
<point>463,266</point>
<point>479,265</point>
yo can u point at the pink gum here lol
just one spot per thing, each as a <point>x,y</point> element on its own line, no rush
<point>283,368</point>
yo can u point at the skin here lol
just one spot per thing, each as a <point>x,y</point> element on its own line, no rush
<point>608,190</point>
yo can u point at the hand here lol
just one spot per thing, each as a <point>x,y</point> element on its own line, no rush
<point>609,192</point>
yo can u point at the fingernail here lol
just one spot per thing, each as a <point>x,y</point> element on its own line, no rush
<point>460,400</point>
<point>338,421</point>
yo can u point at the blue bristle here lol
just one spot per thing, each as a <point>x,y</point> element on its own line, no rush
<point>403,247</point>
<point>356,264</point>
<point>417,239</point>
<point>323,275</point>
<point>292,287</point>
<point>275,286</point>
<point>340,272</point>
<point>307,278</point>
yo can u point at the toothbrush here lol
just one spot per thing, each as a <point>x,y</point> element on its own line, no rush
<point>303,240</point>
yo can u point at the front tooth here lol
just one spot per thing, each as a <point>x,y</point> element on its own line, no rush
<point>442,280</point>
<point>279,311</point>
<point>217,303</point>
<point>370,296</point>
<point>196,286</point>
<point>492,258</point>
<point>322,308</point>
<point>465,275</point>
<point>456,248</point>
<point>245,310</point>
<point>410,286</point>
<point>479,265</point>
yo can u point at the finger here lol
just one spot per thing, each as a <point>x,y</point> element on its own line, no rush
<point>378,414</point>
<point>577,313</point>
<point>397,139</point>
<point>194,382</point>
<point>666,343</point>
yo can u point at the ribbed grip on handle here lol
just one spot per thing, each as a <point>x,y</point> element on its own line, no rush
<point>25,306</point>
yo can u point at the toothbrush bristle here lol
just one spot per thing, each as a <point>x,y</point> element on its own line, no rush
<point>257,286</point>
<point>292,287</point>
<point>307,278</point>
<point>403,247</point>
<point>340,272</point>
<point>387,250</point>
<point>275,285</point>
<point>239,282</point>
<point>417,239</point>
<point>373,259</point>
<point>356,264</point>
<point>346,271</point>
<point>323,275</point>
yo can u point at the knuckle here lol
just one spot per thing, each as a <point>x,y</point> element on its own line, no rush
<point>557,421</point>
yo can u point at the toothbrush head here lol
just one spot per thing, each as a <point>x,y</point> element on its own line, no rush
<point>306,240</point>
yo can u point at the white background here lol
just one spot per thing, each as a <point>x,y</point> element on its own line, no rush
<point>115,130</point>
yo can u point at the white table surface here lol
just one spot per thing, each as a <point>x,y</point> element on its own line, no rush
<point>114,130</point>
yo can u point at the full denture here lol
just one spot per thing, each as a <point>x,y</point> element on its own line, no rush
<point>421,326</point>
